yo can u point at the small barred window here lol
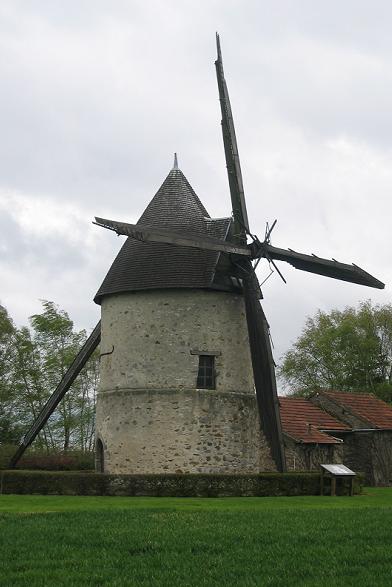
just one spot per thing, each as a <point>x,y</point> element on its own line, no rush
<point>206,373</point>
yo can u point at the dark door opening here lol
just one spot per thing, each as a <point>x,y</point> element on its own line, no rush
<point>99,457</point>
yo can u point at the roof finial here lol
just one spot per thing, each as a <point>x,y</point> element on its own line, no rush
<point>175,165</point>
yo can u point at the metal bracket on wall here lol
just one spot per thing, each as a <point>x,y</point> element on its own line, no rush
<point>108,353</point>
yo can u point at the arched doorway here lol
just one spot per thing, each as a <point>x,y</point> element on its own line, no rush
<point>99,457</point>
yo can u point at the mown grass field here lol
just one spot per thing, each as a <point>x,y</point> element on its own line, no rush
<point>279,542</point>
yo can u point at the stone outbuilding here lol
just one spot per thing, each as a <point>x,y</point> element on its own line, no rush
<point>368,445</point>
<point>311,435</point>
<point>339,427</point>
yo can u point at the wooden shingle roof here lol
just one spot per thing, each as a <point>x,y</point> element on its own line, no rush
<point>142,266</point>
<point>305,422</point>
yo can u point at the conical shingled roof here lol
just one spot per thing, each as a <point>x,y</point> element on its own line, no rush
<point>142,266</point>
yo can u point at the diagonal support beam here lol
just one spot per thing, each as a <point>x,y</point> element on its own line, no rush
<point>77,365</point>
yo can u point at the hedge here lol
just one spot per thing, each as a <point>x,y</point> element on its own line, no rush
<point>82,483</point>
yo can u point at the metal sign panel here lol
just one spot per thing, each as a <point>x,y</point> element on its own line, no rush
<point>338,470</point>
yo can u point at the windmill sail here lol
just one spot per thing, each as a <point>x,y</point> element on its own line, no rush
<point>263,370</point>
<point>241,224</point>
<point>311,263</point>
<point>320,266</point>
<point>194,240</point>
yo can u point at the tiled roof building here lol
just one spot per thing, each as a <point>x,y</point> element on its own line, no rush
<point>334,426</point>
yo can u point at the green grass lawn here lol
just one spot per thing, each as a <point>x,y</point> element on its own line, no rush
<point>304,541</point>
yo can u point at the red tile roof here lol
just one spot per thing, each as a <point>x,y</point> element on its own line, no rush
<point>305,422</point>
<point>365,406</point>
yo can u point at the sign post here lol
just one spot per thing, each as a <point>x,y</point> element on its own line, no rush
<point>336,472</point>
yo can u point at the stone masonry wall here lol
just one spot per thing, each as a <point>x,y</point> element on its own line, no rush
<point>370,452</point>
<point>150,336</point>
<point>308,457</point>
<point>188,431</point>
<point>150,416</point>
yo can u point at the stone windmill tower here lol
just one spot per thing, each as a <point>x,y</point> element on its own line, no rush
<point>187,375</point>
<point>177,391</point>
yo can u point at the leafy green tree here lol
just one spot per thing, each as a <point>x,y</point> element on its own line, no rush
<point>41,356</point>
<point>349,350</point>
<point>9,428</point>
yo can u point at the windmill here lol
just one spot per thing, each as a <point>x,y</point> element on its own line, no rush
<point>239,251</point>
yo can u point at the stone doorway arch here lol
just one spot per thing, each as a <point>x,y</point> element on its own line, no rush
<point>99,456</point>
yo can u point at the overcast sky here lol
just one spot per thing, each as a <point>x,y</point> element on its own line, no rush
<point>96,96</point>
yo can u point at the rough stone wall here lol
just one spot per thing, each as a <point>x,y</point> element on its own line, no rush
<point>150,416</point>
<point>370,452</point>
<point>188,431</point>
<point>357,454</point>
<point>381,450</point>
<point>152,334</point>
<point>308,457</point>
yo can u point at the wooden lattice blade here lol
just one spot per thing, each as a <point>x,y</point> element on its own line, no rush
<point>146,234</point>
<point>320,266</point>
<point>263,370</point>
<point>240,215</point>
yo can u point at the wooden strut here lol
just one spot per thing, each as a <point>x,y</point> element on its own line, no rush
<point>77,365</point>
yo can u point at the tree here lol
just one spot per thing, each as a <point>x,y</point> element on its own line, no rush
<point>349,350</point>
<point>10,430</point>
<point>39,357</point>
